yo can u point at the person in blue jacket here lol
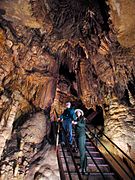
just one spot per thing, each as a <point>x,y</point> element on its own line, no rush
<point>66,118</point>
<point>81,139</point>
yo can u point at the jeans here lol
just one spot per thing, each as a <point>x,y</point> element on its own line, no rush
<point>67,125</point>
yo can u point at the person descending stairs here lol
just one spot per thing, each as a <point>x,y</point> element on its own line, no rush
<point>88,162</point>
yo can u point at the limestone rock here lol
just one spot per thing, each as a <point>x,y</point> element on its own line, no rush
<point>34,130</point>
<point>120,15</point>
<point>47,168</point>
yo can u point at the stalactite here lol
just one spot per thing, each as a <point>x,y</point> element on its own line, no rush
<point>131,98</point>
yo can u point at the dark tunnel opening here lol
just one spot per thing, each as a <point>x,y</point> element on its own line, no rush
<point>104,8</point>
<point>125,99</point>
<point>131,87</point>
<point>64,70</point>
<point>69,76</point>
<point>98,120</point>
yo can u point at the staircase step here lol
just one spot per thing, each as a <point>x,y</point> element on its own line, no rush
<point>91,152</point>
<point>75,177</point>
<point>105,174</point>
<point>98,158</point>
<point>88,142</point>
<point>90,161</point>
<point>94,152</point>
<point>100,165</point>
<point>91,167</point>
<point>93,173</point>
<point>99,177</point>
<point>78,157</point>
<point>91,176</point>
<point>92,147</point>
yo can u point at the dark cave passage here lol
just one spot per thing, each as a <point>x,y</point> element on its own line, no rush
<point>125,99</point>
<point>131,86</point>
<point>64,70</point>
<point>104,12</point>
<point>70,77</point>
<point>98,120</point>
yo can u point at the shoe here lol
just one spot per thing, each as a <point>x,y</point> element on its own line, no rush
<point>74,150</point>
<point>80,169</point>
<point>86,169</point>
<point>83,172</point>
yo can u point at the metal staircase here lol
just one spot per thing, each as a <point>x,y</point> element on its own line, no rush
<point>98,166</point>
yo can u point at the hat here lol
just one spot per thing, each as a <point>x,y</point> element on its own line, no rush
<point>76,110</point>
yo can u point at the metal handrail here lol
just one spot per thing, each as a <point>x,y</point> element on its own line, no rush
<point>76,167</point>
<point>114,143</point>
<point>116,173</point>
<point>115,160</point>
<point>62,175</point>
<point>95,161</point>
<point>111,155</point>
<point>70,177</point>
<point>117,147</point>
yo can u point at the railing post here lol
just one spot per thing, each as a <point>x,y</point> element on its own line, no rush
<point>57,137</point>
<point>95,135</point>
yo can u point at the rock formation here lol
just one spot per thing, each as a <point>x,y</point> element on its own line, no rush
<point>54,51</point>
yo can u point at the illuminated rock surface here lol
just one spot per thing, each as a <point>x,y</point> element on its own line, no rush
<point>57,51</point>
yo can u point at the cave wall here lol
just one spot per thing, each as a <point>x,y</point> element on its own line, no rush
<point>79,51</point>
<point>120,13</point>
<point>97,54</point>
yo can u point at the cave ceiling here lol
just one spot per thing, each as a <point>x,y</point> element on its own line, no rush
<point>66,49</point>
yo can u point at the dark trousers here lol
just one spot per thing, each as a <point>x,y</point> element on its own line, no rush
<point>81,145</point>
<point>67,126</point>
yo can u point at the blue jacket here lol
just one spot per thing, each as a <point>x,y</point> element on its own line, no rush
<point>68,115</point>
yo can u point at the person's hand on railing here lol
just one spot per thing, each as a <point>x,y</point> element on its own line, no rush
<point>74,122</point>
<point>60,120</point>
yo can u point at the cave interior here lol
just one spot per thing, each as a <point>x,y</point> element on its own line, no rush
<point>55,51</point>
